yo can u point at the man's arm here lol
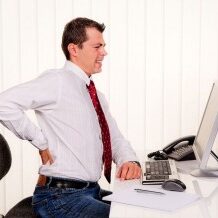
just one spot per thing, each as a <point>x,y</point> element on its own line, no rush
<point>39,94</point>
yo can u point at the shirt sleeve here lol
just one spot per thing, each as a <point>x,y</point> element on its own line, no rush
<point>121,148</point>
<point>40,94</point>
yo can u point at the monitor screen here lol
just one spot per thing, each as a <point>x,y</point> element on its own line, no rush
<point>208,128</point>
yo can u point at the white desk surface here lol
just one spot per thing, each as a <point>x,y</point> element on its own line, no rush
<point>206,207</point>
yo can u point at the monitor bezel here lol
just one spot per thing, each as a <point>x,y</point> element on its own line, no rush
<point>210,142</point>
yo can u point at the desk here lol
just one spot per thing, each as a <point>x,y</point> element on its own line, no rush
<point>206,207</point>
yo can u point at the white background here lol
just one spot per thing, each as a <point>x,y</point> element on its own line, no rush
<point>163,59</point>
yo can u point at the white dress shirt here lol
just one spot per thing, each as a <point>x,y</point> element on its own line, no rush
<point>68,123</point>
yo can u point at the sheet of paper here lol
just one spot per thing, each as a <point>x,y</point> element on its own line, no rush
<point>168,202</point>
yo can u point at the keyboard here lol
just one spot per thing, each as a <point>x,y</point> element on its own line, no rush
<point>157,171</point>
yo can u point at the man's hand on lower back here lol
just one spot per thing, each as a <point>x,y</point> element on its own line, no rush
<point>46,156</point>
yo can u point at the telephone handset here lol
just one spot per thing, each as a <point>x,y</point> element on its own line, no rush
<point>180,149</point>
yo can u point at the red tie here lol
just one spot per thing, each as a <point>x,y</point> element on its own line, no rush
<point>107,154</point>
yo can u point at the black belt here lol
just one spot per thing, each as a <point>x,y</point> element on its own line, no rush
<point>68,183</point>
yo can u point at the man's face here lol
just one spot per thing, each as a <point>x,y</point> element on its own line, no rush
<point>89,58</point>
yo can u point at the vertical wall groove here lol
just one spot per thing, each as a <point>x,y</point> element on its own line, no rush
<point>37,43</point>
<point>1,45</point>
<point>199,66</point>
<point>3,181</point>
<point>181,71</point>
<point>163,71</point>
<point>109,61</point>
<point>55,33</point>
<point>20,80</point>
<point>37,36</point>
<point>72,8</point>
<point>126,79</point>
<point>145,74</point>
<point>127,71</point>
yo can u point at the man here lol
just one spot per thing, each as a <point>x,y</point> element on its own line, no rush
<point>77,137</point>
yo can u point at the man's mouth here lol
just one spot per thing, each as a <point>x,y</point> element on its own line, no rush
<point>99,61</point>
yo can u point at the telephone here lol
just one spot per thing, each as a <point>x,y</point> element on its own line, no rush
<point>180,150</point>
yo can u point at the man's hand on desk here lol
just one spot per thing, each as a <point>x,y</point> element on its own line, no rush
<point>129,170</point>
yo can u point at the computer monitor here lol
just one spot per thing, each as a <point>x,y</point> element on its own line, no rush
<point>206,135</point>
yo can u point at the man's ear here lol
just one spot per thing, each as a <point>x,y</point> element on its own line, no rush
<point>73,49</point>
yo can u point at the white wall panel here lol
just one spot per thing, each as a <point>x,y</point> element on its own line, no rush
<point>63,14</point>
<point>172,68</point>
<point>118,62</point>
<point>209,49</point>
<point>154,72</point>
<point>190,65</point>
<point>46,33</point>
<point>28,39</point>
<point>162,60</point>
<point>136,73</point>
<point>82,8</point>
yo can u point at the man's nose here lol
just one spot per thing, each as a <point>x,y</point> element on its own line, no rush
<point>104,52</point>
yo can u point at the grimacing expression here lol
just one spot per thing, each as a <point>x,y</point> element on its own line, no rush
<point>89,58</point>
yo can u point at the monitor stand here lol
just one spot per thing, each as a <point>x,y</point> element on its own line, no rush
<point>209,172</point>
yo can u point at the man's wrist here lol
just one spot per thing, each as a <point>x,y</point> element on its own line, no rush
<point>136,162</point>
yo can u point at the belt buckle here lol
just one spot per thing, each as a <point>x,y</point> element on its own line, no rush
<point>87,184</point>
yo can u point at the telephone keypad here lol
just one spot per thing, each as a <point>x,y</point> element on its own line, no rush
<point>181,152</point>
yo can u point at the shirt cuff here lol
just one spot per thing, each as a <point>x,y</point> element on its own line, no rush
<point>40,142</point>
<point>136,162</point>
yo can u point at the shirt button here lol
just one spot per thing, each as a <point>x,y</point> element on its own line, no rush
<point>100,138</point>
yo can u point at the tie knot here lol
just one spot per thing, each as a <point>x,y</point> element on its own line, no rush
<point>91,83</point>
<point>91,86</point>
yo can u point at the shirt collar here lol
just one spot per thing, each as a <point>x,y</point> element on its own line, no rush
<point>69,65</point>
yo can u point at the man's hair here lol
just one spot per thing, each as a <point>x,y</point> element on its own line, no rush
<point>75,32</point>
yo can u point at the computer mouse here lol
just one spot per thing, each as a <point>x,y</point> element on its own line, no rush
<point>174,185</point>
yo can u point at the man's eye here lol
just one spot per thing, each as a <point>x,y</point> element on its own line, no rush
<point>97,46</point>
